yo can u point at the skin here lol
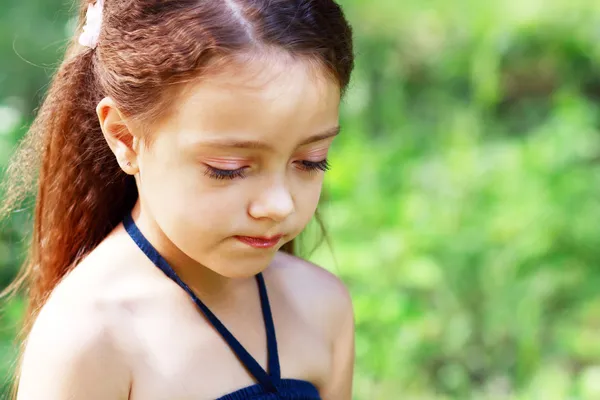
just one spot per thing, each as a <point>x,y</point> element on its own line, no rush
<point>117,328</point>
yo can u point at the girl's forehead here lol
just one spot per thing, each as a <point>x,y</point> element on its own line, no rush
<point>264,80</point>
<point>260,97</point>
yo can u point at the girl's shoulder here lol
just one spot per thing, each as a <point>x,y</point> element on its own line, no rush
<point>72,350</point>
<point>322,300</point>
<point>315,292</point>
<point>101,291</point>
<point>307,276</point>
<point>80,338</point>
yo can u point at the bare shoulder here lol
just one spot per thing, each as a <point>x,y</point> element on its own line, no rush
<point>77,347</point>
<point>307,276</point>
<point>316,292</point>
<point>71,351</point>
<point>323,300</point>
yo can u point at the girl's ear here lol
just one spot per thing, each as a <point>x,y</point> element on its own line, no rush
<point>118,135</point>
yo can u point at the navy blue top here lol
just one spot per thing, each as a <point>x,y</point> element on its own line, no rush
<point>270,385</point>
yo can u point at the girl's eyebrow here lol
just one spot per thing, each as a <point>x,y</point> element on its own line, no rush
<point>321,136</point>
<point>253,144</point>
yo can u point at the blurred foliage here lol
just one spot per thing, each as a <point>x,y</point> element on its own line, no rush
<point>462,205</point>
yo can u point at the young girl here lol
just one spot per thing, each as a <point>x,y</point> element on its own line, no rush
<point>182,147</point>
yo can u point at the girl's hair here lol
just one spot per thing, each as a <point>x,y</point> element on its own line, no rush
<point>146,50</point>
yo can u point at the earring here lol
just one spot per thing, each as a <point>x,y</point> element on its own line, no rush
<point>129,163</point>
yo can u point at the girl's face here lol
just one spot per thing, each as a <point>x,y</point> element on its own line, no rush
<point>237,170</point>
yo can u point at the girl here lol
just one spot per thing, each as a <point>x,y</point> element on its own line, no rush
<point>182,148</point>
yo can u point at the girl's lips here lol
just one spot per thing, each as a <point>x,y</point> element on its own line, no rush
<point>258,242</point>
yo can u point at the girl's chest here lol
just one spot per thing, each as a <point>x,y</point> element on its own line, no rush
<point>181,356</point>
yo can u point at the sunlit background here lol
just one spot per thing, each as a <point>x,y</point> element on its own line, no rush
<point>463,204</point>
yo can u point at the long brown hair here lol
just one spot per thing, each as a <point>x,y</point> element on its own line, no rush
<point>145,46</point>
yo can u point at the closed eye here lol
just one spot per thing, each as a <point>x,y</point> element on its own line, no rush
<point>221,174</point>
<point>309,166</point>
<point>230,174</point>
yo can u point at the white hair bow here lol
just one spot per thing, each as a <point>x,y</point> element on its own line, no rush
<point>93,22</point>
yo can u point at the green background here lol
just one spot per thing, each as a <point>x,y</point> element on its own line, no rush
<point>463,203</point>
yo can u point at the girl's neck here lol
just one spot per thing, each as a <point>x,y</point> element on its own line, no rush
<point>206,283</point>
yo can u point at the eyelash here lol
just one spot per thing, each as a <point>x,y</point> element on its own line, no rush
<point>311,166</point>
<point>223,174</point>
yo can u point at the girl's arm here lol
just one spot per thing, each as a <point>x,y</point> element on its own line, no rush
<point>339,386</point>
<point>71,354</point>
